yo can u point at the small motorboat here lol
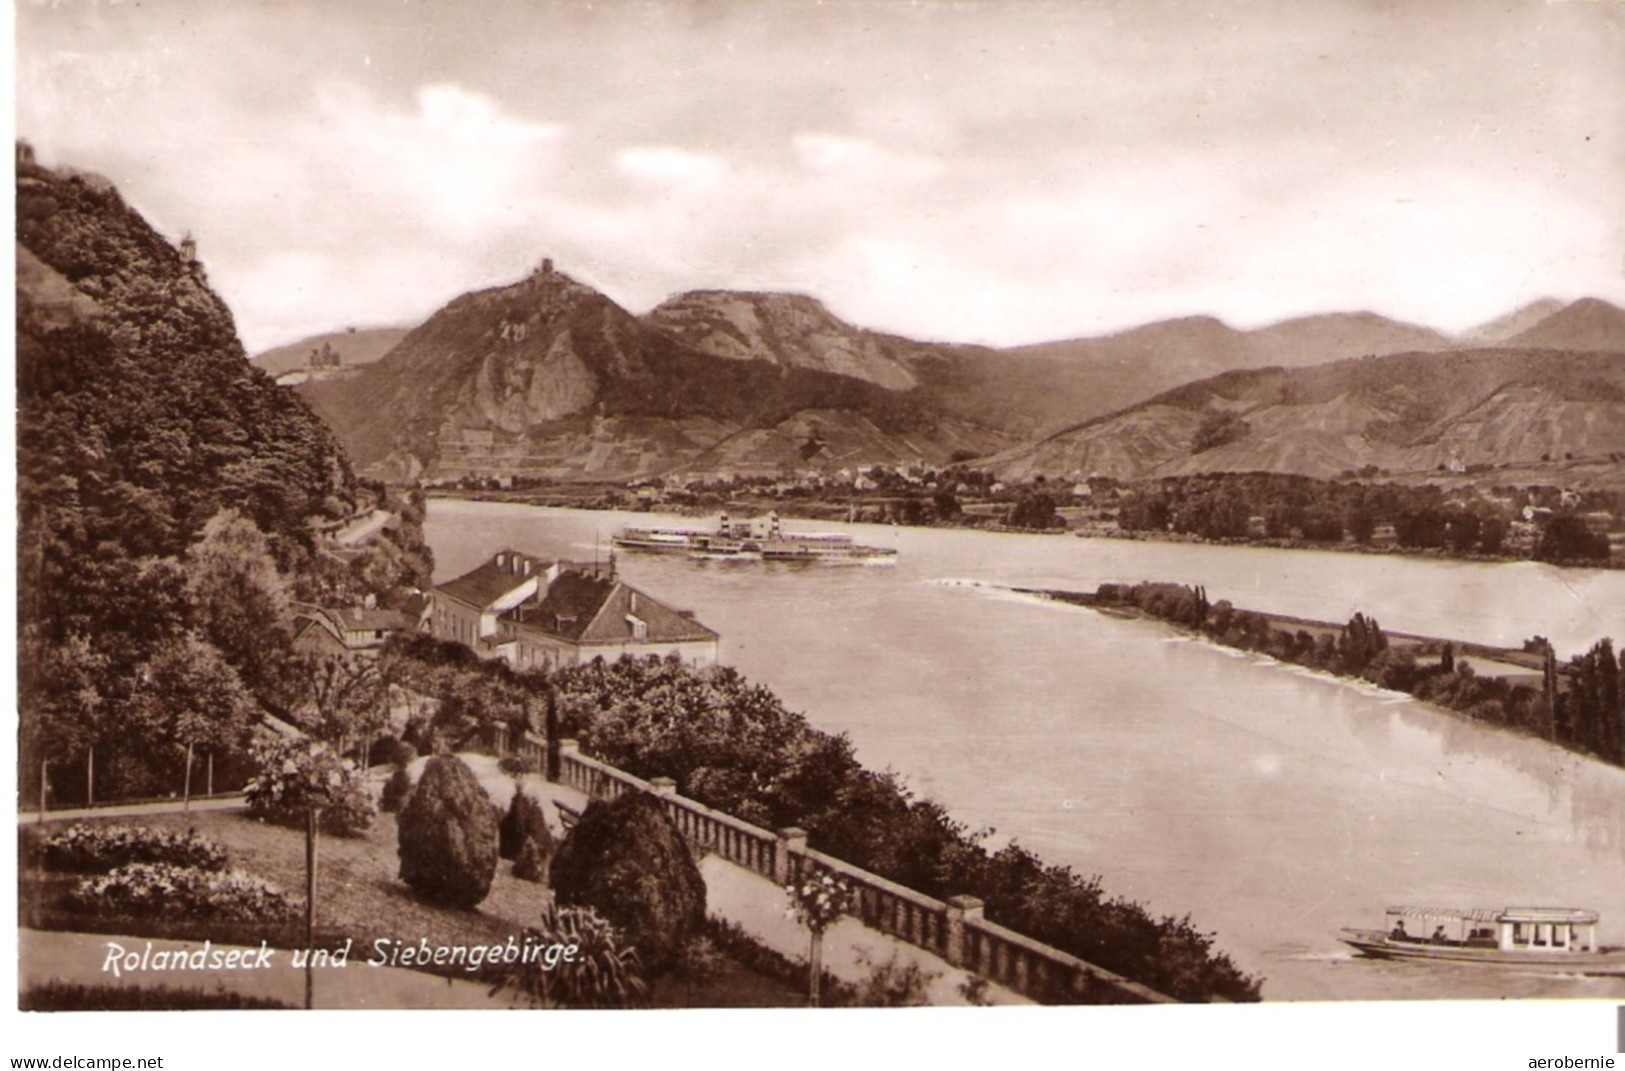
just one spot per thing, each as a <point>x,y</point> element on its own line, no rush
<point>1554,938</point>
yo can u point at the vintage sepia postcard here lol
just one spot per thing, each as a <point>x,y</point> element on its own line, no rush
<point>727,505</point>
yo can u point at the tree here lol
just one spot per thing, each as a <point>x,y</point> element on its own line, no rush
<point>448,835</point>
<point>1567,539</point>
<point>626,859</point>
<point>1492,533</point>
<point>1598,721</point>
<point>342,699</point>
<point>239,601</point>
<point>1323,526</point>
<point>1362,523</point>
<point>194,698</point>
<point>817,904</point>
<point>1362,640</point>
<point>1462,530</point>
<point>1036,510</point>
<point>61,708</point>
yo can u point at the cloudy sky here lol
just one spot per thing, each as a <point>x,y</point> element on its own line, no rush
<point>1001,172</point>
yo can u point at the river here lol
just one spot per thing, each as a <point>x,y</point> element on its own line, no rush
<point>1271,804</point>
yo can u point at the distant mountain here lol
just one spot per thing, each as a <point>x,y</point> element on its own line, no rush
<point>1026,388</point>
<point>1087,377</point>
<point>1498,330</point>
<point>352,347</point>
<point>1404,412</point>
<point>548,377</point>
<point>791,330</point>
<point>1589,324</point>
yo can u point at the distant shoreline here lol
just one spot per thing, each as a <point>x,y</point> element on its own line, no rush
<point>818,510</point>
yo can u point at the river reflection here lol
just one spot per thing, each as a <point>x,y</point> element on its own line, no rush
<point>1271,803</point>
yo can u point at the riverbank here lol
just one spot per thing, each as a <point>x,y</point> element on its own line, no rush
<point>1528,661</point>
<point>1575,705</point>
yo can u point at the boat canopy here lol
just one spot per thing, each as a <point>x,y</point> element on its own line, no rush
<point>1570,915</point>
<point>1470,914</point>
<point>1574,916</point>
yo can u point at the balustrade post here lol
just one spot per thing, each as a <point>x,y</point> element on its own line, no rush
<point>663,786</point>
<point>960,910</point>
<point>791,839</point>
<point>569,772</point>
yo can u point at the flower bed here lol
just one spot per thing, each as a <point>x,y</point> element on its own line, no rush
<point>88,849</point>
<point>150,890</point>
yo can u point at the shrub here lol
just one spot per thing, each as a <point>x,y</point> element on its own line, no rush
<point>732,941</point>
<point>147,890</point>
<point>974,989</point>
<point>604,971</point>
<point>530,863</point>
<point>448,835</point>
<point>88,849</point>
<point>627,860</point>
<point>395,791</point>
<point>394,751</point>
<point>525,820</point>
<point>351,813</point>
<point>892,984</point>
<point>519,765</point>
<point>700,961</point>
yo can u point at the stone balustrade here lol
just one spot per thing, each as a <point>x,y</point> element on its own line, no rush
<point>954,930</point>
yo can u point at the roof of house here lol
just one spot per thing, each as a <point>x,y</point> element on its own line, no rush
<point>337,622</point>
<point>594,610</point>
<point>372,619</point>
<point>303,623</point>
<point>488,583</point>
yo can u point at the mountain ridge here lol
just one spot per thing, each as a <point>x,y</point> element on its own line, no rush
<point>1404,412</point>
<point>547,377</point>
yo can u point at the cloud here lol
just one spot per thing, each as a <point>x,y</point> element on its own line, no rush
<point>456,163</point>
<point>1008,172</point>
<point>671,167</point>
<point>861,162</point>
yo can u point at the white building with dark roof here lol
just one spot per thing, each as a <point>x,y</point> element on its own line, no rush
<point>540,614</point>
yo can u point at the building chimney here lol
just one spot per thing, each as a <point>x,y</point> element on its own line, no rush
<point>634,602</point>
